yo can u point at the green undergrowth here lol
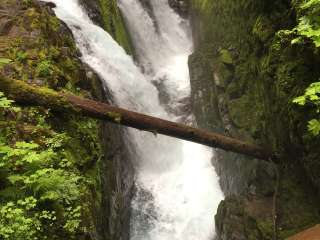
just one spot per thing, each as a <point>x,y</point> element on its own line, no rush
<point>45,174</point>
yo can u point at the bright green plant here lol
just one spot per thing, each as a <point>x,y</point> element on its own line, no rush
<point>38,170</point>
<point>42,186</point>
<point>309,28</point>
<point>17,221</point>
<point>73,222</point>
<point>4,102</point>
<point>44,68</point>
<point>312,97</point>
<point>4,61</point>
<point>45,173</point>
<point>309,22</point>
<point>21,56</point>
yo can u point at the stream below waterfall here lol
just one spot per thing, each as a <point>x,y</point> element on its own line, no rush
<point>176,190</point>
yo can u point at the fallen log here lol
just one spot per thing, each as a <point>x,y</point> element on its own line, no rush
<point>24,93</point>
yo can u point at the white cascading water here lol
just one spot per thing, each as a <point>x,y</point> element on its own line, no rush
<point>177,190</point>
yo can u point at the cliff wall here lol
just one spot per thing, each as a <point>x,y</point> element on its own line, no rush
<point>245,74</point>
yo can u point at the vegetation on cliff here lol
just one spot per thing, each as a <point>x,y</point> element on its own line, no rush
<point>49,178</point>
<point>113,23</point>
<point>256,58</point>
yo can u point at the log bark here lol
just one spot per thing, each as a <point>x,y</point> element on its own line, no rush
<point>24,93</point>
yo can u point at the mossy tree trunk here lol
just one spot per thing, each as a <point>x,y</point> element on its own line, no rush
<point>24,93</point>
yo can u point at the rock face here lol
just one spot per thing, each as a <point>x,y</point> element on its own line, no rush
<point>240,219</point>
<point>243,81</point>
<point>117,180</point>
<point>180,6</point>
<point>93,9</point>
<point>106,14</point>
<point>117,171</point>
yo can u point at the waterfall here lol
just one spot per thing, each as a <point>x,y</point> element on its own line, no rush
<point>177,190</point>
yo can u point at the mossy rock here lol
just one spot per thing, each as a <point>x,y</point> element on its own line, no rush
<point>236,219</point>
<point>241,112</point>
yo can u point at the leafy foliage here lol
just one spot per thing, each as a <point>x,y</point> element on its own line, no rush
<point>309,22</point>
<point>4,102</point>
<point>311,97</point>
<point>43,188</point>
<point>314,126</point>
<point>44,68</point>
<point>16,222</point>
<point>51,158</point>
<point>309,28</point>
<point>4,61</point>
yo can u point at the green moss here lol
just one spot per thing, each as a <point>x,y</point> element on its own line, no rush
<point>114,24</point>
<point>263,28</point>
<point>266,228</point>
<point>114,116</point>
<point>300,210</point>
<point>226,56</point>
<point>235,218</point>
<point>244,116</point>
<point>45,54</point>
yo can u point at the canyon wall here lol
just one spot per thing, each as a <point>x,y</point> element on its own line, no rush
<point>245,74</point>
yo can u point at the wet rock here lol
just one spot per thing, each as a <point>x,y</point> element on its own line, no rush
<point>50,4</point>
<point>5,26</point>
<point>180,6</point>
<point>118,182</point>
<point>148,7</point>
<point>93,9</point>
<point>236,219</point>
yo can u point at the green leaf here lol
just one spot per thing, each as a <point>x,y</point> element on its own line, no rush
<point>300,100</point>
<point>297,40</point>
<point>4,61</point>
<point>309,23</point>
<point>310,3</point>
<point>312,96</point>
<point>226,56</point>
<point>15,178</point>
<point>314,127</point>
<point>25,145</point>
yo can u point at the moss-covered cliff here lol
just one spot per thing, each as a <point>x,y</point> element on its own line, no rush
<point>50,184</point>
<point>61,176</point>
<point>107,14</point>
<point>245,73</point>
